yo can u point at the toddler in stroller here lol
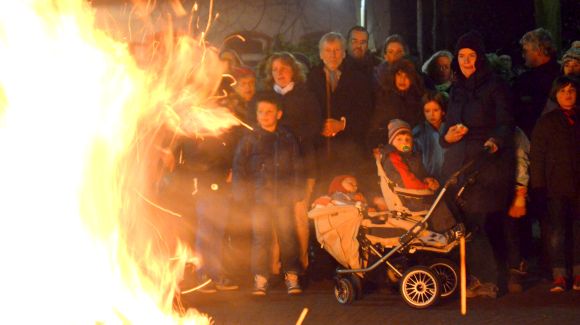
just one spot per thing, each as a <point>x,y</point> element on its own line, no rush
<point>353,234</point>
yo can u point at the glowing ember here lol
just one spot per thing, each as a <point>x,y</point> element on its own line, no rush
<point>82,130</point>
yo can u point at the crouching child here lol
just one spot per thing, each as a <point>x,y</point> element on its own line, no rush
<point>268,173</point>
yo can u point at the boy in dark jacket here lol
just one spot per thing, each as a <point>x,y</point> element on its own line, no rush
<point>555,170</point>
<point>268,173</point>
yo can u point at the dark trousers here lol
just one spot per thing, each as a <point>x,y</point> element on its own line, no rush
<point>265,220</point>
<point>511,230</point>
<point>480,257</point>
<point>564,224</point>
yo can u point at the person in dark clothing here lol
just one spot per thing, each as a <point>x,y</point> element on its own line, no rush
<point>399,98</point>
<point>394,48</point>
<point>480,115</point>
<point>437,69</point>
<point>203,166</point>
<point>268,173</point>
<point>346,103</point>
<point>555,169</point>
<point>301,115</point>
<point>358,54</point>
<point>532,87</point>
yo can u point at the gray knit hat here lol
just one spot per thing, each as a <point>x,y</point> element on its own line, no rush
<point>572,54</point>
<point>397,127</point>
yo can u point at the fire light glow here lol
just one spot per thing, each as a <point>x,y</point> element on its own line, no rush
<point>81,132</point>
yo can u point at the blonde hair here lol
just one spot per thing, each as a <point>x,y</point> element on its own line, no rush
<point>298,69</point>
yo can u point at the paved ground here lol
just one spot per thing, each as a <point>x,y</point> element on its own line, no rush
<point>534,306</point>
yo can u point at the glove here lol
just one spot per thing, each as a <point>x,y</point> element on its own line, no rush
<point>518,206</point>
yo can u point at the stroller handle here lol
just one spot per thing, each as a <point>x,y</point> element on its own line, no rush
<point>453,179</point>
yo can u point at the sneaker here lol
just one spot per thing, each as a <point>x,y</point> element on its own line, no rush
<point>515,281</point>
<point>559,284</point>
<point>292,284</point>
<point>478,289</point>
<point>576,285</point>
<point>226,284</point>
<point>260,285</point>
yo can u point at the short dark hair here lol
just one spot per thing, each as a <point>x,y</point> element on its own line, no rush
<point>269,97</point>
<point>562,82</point>
<point>357,28</point>
<point>438,97</point>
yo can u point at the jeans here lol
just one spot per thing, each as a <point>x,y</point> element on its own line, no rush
<point>564,222</point>
<point>265,220</point>
<point>480,257</point>
<point>511,231</point>
<point>213,209</point>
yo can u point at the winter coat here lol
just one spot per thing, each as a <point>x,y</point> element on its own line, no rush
<point>303,118</point>
<point>532,89</point>
<point>483,103</point>
<point>555,155</point>
<point>268,168</point>
<point>404,169</point>
<point>203,164</point>
<point>351,99</point>
<point>426,143</point>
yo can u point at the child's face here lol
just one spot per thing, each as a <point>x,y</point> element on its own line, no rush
<point>433,113</point>
<point>268,115</point>
<point>246,88</point>
<point>403,142</point>
<point>350,184</point>
<point>566,97</point>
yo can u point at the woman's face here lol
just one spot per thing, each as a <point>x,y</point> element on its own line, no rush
<point>282,73</point>
<point>566,97</point>
<point>402,81</point>
<point>466,58</point>
<point>394,52</point>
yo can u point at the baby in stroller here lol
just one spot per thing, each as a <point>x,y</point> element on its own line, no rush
<point>411,219</point>
<point>406,173</point>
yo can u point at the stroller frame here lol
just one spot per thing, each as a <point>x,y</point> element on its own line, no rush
<point>420,286</point>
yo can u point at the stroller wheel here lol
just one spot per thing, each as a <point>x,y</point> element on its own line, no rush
<point>357,286</point>
<point>448,274</point>
<point>344,290</point>
<point>420,287</point>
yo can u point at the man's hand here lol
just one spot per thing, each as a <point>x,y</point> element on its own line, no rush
<point>332,127</point>
<point>456,133</point>
<point>432,183</point>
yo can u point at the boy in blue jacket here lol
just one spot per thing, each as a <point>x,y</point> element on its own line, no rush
<point>268,173</point>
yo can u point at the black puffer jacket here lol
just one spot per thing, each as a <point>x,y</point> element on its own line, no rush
<point>555,155</point>
<point>483,103</point>
<point>268,168</point>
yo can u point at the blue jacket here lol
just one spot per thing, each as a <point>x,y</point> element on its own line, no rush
<point>268,168</point>
<point>426,142</point>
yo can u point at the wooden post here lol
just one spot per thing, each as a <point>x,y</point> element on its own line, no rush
<point>463,277</point>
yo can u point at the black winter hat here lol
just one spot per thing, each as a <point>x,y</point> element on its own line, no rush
<point>472,40</point>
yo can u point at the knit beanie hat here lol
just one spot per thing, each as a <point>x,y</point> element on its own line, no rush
<point>572,54</point>
<point>397,127</point>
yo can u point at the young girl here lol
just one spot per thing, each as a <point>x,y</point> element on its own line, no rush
<point>426,135</point>
<point>555,169</point>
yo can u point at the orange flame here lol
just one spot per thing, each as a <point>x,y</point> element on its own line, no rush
<point>82,131</point>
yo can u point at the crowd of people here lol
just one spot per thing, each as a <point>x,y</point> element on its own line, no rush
<point>312,123</point>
